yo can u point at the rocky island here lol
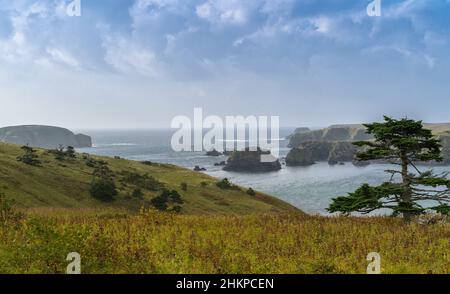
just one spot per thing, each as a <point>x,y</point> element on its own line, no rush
<point>43,137</point>
<point>250,161</point>
<point>213,153</point>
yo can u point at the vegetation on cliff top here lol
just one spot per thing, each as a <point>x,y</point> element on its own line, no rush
<point>69,183</point>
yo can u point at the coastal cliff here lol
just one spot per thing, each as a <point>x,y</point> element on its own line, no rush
<point>334,144</point>
<point>311,152</point>
<point>335,133</point>
<point>43,137</point>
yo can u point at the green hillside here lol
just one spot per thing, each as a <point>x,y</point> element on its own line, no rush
<point>66,184</point>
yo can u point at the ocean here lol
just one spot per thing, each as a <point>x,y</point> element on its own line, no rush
<point>308,188</point>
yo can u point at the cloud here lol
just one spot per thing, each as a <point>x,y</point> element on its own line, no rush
<point>405,9</point>
<point>16,48</point>
<point>128,57</point>
<point>63,57</point>
<point>227,12</point>
<point>321,24</point>
<point>414,57</point>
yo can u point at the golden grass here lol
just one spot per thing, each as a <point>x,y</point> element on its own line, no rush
<point>152,242</point>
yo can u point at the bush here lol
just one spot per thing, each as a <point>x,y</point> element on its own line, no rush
<point>224,184</point>
<point>29,157</point>
<point>203,184</point>
<point>91,162</point>
<point>62,153</point>
<point>103,189</point>
<point>58,153</point>
<point>168,201</point>
<point>251,192</point>
<point>70,152</point>
<point>103,171</point>
<point>142,181</point>
<point>184,186</point>
<point>137,193</point>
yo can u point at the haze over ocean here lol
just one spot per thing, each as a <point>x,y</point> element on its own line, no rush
<point>308,188</point>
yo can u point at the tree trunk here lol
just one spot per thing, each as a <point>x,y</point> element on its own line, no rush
<point>406,182</point>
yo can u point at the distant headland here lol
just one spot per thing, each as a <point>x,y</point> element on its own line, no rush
<point>48,137</point>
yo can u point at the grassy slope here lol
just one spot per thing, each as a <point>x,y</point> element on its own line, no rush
<point>163,243</point>
<point>66,185</point>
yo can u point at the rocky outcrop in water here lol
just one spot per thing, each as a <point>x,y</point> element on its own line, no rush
<point>250,161</point>
<point>300,157</point>
<point>310,152</point>
<point>199,169</point>
<point>43,137</point>
<point>213,153</point>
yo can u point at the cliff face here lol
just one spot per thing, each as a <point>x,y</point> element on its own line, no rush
<point>310,152</point>
<point>334,144</point>
<point>250,161</point>
<point>331,134</point>
<point>43,137</point>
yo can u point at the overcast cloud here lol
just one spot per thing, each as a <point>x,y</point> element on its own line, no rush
<point>127,64</point>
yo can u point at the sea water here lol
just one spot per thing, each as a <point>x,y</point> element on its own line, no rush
<point>308,188</point>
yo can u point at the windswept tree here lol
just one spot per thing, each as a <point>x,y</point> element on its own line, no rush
<point>409,192</point>
<point>29,157</point>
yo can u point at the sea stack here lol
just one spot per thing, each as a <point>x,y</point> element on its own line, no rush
<point>250,161</point>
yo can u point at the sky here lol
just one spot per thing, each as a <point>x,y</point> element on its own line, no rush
<point>140,63</point>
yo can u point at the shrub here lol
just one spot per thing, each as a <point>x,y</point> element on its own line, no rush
<point>203,184</point>
<point>91,162</point>
<point>251,192</point>
<point>103,189</point>
<point>168,200</point>
<point>225,184</point>
<point>137,193</point>
<point>70,152</point>
<point>29,157</point>
<point>184,186</point>
<point>62,153</point>
<point>142,181</point>
<point>58,153</point>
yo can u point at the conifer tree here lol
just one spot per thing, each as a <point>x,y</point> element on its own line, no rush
<point>402,143</point>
